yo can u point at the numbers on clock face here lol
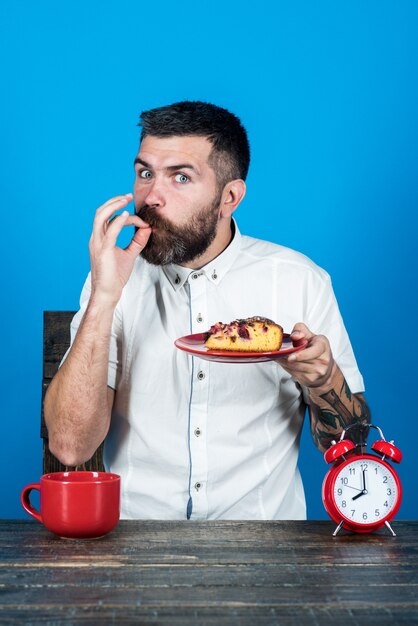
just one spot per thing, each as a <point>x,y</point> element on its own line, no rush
<point>365,491</point>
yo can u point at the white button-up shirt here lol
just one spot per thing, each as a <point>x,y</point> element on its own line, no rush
<point>203,440</point>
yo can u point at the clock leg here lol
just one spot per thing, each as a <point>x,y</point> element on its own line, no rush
<point>390,528</point>
<point>337,530</point>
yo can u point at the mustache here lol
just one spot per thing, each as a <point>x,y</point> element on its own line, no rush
<point>149,215</point>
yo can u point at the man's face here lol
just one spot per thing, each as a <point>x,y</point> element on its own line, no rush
<point>176,193</point>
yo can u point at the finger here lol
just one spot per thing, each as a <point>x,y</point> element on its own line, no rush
<point>103,216</point>
<point>308,373</point>
<point>105,212</point>
<point>116,225</point>
<point>305,366</point>
<point>134,220</point>
<point>301,331</point>
<point>311,353</point>
<point>114,229</point>
<point>298,370</point>
<point>115,200</point>
<point>131,220</point>
<point>139,241</point>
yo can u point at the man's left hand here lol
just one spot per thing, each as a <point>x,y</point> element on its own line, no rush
<point>314,365</point>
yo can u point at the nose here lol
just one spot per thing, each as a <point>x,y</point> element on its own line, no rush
<point>154,194</point>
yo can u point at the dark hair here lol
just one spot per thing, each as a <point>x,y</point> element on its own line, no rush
<point>230,155</point>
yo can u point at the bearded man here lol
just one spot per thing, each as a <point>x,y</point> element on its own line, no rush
<point>192,438</point>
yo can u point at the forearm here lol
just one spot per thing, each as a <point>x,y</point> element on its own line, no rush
<point>333,408</point>
<point>77,411</point>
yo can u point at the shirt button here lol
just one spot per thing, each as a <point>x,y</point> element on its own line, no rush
<point>201,375</point>
<point>199,318</point>
<point>197,486</point>
<point>197,432</point>
<point>194,276</point>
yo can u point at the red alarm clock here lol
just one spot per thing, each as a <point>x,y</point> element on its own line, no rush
<point>362,492</point>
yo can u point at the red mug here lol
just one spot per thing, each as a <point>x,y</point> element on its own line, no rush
<point>77,505</point>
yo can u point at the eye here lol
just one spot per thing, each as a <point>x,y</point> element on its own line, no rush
<point>144,174</point>
<point>181,178</point>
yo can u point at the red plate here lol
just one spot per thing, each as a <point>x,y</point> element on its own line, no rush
<point>195,345</point>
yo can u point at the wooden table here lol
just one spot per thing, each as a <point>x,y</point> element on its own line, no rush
<point>225,572</point>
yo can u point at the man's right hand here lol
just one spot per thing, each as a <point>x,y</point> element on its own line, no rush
<point>111,266</point>
<point>78,403</point>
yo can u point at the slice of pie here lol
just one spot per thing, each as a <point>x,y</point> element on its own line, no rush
<point>254,334</point>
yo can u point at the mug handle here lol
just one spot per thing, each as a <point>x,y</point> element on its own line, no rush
<point>25,500</point>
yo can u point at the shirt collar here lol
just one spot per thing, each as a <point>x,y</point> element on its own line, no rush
<point>214,271</point>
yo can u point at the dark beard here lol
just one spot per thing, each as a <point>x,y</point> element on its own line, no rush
<point>179,244</point>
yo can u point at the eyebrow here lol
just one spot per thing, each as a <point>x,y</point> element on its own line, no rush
<point>170,168</point>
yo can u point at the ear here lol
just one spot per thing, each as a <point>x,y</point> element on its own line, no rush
<point>233,193</point>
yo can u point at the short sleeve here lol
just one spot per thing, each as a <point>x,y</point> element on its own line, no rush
<point>323,317</point>
<point>114,368</point>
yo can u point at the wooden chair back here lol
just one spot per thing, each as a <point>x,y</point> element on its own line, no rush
<point>56,343</point>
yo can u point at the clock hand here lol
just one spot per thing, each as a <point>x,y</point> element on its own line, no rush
<point>364,481</point>
<point>350,487</point>
<point>364,490</point>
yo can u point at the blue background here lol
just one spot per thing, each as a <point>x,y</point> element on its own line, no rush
<point>329,94</point>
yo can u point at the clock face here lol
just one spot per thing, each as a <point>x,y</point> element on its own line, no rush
<point>365,491</point>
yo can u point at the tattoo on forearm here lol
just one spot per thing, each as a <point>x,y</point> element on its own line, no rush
<point>333,411</point>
